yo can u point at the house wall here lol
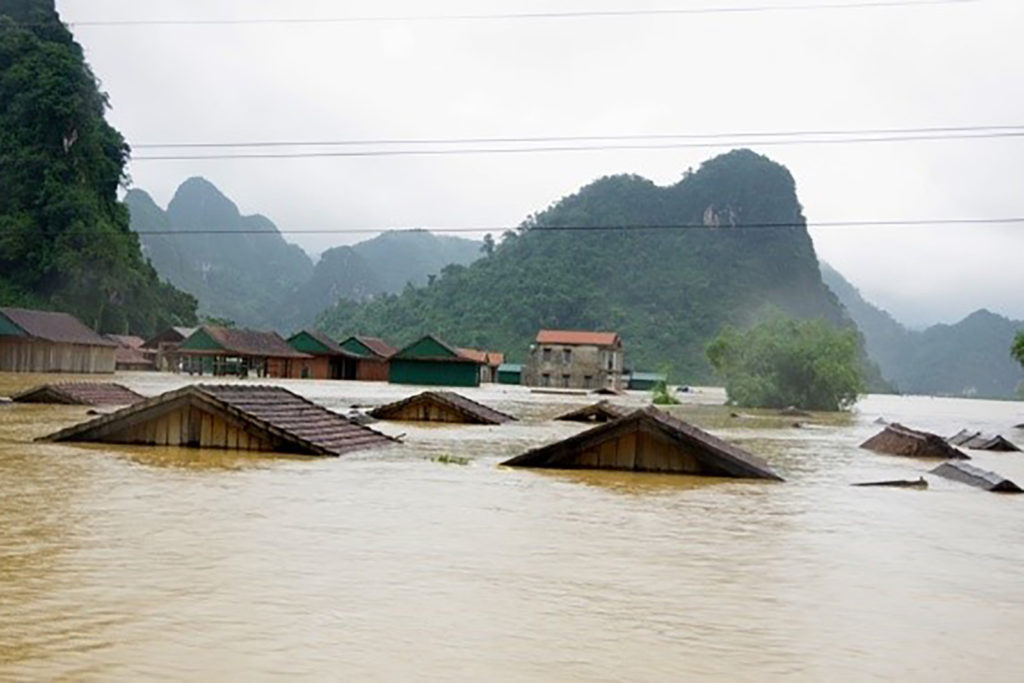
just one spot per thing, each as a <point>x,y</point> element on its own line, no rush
<point>372,370</point>
<point>318,367</point>
<point>426,411</point>
<point>637,450</point>
<point>433,373</point>
<point>574,366</point>
<point>20,354</point>
<point>189,426</point>
<point>506,377</point>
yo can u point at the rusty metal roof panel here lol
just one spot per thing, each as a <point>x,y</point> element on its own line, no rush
<point>897,439</point>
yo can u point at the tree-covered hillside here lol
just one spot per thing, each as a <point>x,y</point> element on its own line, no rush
<point>401,257</point>
<point>970,358</point>
<point>64,237</point>
<point>668,291</point>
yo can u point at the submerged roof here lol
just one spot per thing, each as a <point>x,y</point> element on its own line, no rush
<point>290,422</point>
<point>897,439</point>
<point>470,411</point>
<point>245,342</point>
<point>975,476</point>
<point>577,337</point>
<point>602,411</point>
<point>692,446</point>
<point>80,393</point>
<point>54,326</point>
<point>981,442</point>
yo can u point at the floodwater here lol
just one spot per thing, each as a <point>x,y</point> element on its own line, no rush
<point>128,562</point>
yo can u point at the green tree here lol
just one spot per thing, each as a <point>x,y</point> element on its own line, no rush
<point>488,246</point>
<point>1018,348</point>
<point>783,362</point>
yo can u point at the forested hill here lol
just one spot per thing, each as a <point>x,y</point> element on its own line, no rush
<point>205,246</point>
<point>667,290</point>
<point>65,242</point>
<point>211,251</point>
<point>970,358</point>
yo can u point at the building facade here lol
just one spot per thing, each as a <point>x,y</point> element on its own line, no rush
<point>431,362</point>
<point>212,350</point>
<point>571,359</point>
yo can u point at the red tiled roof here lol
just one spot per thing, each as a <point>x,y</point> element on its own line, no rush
<point>378,346</point>
<point>572,337</point>
<point>62,328</point>
<point>482,357</point>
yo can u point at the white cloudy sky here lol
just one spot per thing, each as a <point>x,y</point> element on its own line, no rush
<point>938,65</point>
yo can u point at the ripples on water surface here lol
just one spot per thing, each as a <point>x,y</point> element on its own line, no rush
<point>120,562</point>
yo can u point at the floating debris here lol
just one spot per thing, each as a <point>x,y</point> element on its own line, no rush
<point>919,483</point>
<point>981,442</point>
<point>602,411</point>
<point>975,476</point>
<point>896,439</point>
<point>793,411</point>
<point>648,440</point>
<point>237,417</point>
<point>80,394</point>
<point>440,406</point>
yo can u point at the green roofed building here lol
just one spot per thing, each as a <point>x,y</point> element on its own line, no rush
<point>372,354</point>
<point>645,381</point>
<point>510,373</point>
<point>431,362</point>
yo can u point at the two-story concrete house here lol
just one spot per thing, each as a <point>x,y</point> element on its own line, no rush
<point>570,359</point>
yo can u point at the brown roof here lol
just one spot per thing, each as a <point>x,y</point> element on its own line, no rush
<point>576,337</point>
<point>81,394</point>
<point>251,342</point>
<point>129,341</point>
<point>378,346</point>
<point>714,457</point>
<point>53,326</point>
<point>471,411</point>
<point>170,335</point>
<point>292,423</point>
<point>332,346</point>
<point>982,442</point>
<point>602,411</point>
<point>896,439</point>
<point>492,358</point>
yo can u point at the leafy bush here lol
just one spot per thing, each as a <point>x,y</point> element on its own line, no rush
<point>661,396</point>
<point>784,362</point>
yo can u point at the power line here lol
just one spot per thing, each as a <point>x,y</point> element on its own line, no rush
<point>748,9</point>
<point>952,130</point>
<point>578,148</point>
<point>846,224</point>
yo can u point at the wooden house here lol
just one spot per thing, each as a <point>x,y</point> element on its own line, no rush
<point>440,406</point>
<point>489,362</point>
<point>130,355</point>
<point>80,394</point>
<point>47,341</point>
<point>165,345</point>
<point>372,354</point>
<point>232,416</point>
<point>896,439</point>
<point>982,442</point>
<point>212,350</point>
<point>429,361</point>
<point>648,440</point>
<point>327,360</point>
<point>510,373</point>
<point>600,412</point>
<point>975,476</point>
<point>573,359</point>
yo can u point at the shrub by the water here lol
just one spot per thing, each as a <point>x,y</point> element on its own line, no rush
<point>661,396</point>
<point>782,362</point>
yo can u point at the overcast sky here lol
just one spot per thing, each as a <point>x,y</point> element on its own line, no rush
<point>842,69</point>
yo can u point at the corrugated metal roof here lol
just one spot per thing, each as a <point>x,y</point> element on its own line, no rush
<point>80,393</point>
<point>54,326</point>
<point>510,367</point>
<point>296,424</point>
<point>473,412</point>
<point>378,346</point>
<point>251,342</point>
<point>577,337</point>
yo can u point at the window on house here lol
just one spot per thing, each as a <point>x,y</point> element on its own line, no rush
<point>567,356</point>
<point>565,381</point>
<point>545,380</point>
<point>547,355</point>
<point>611,361</point>
<point>588,381</point>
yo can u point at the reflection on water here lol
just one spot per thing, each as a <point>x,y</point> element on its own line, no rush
<point>123,562</point>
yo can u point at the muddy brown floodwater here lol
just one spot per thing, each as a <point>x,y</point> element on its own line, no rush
<point>129,562</point>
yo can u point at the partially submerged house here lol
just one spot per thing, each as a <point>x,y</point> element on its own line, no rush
<point>510,373</point>
<point>327,360</point>
<point>165,345</point>
<point>431,362</point>
<point>213,350</point>
<point>489,362</point>
<point>573,359</point>
<point>48,341</point>
<point>235,417</point>
<point>645,381</point>
<point>896,439</point>
<point>982,442</point>
<point>441,406</point>
<point>373,354</point>
<point>80,394</point>
<point>600,412</point>
<point>648,440</point>
<point>975,476</point>
<point>130,355</point>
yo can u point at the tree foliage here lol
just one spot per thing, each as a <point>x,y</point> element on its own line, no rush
<point>783,362</point>
<point>1017,351</point>
<point>64,238</point>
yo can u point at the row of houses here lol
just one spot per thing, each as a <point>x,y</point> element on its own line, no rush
<point>42,341</point>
